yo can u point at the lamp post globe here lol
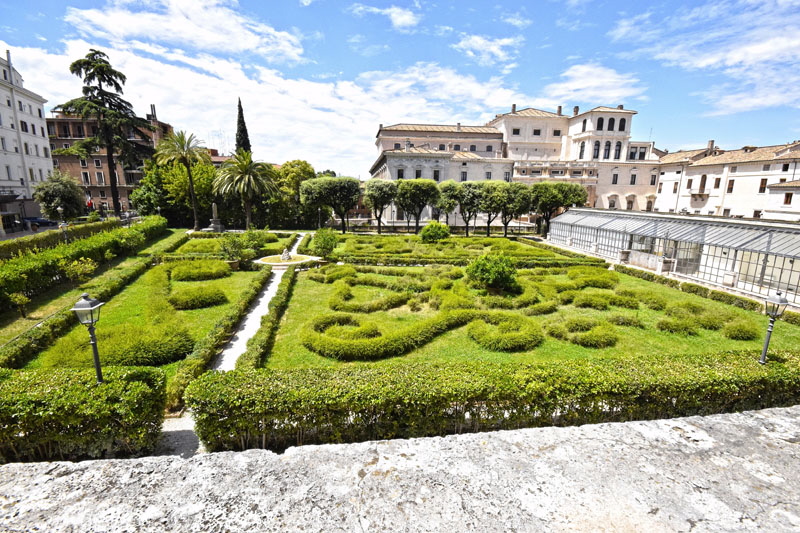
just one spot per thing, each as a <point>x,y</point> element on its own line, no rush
<point>774,308</point>
<point>87,310</point>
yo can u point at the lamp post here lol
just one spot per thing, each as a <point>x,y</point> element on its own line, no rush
<point>774,308</point>
<point>88,312</point>
<point>63,224</point>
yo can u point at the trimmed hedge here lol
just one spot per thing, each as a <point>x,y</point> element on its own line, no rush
<point>33,274</point>
<point>791,317</point>
<point>737,301</point>
<point>741,330</point>
<point>199,270</point>
<point>693,288</point>
<point>303,248</point>
<point>144,346</point>
<point>56,415</point>
<point>196,297</point>
<point>502,332</point>
<point>260,345</point>
<point>17,352</point>
<point>54,237</point>
<point>683,325</point>
<point>339,301</point>
<point>544,308</point>
<point>207,347</point>
<point>647,276</point>
<point>277,409</point>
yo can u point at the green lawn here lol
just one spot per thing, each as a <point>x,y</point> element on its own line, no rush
<point>56,299</point>
<point>311,299</point>
<point>140,308</point>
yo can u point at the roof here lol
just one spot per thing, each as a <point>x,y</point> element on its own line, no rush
<point>769,238</point>
<point>606,109</point>
<point>441,128</point>
<point>469,155</point>
<point>681,156</point>
<point>785,185</point>
<point>528,112</point>
<point>763,153</point>
<point>418,150</point>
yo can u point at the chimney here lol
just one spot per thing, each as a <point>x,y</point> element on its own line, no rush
<point>620,106</point>
<point>10,68</point>
<point>710,147</point>
<point>458,126</point>
<point>575,110</point>
<point>513,108</point>
<point>380,126</point>
<point>559,111</point>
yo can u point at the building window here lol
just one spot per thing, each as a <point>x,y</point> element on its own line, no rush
<point>557,133</point>
<point>622,124</point>
<point>473,148</point>
<point>653,178</point>
<point>21,108</point>
<point>40,112</point>
<point>102,193</point>
<point>3,143</point>
<point>436,175</point>
<point>41,175</point>
<point>596,153</point>
<point>557,173</point>
<point>629,205</point>
<point>30,174</point>
<point>787,198</point>
<point>396,146</point>
<point>582,150</point>
<point>8,172</point>
<point>785,167</point>
<point>612,204</point>
<point>782,180</point>
<point>762,187</point>
<point>523,171</point>
<point>79,127</point>
<point>51,129</point>
<point>441,147</point>
<point>400,173</point>
<point>765,168</point>
<point>537,132</point>
<point>23,126</point>
<point>25,148</point>
<point>515,131</point>
<point>675,187</point>
<point>33,129</point>
<point>457,147</point>
<point>55,163</point>
<point>660,186</point>
<point>583,128</point>
<point>614,179</point>
<point>757,213</point>
<point>607,150</point>
<point>730,185</point>
<point>726,212</point>
<point>488,175</point>
<point>418,173</point>
<point>65,145</point>
<point>85,176</point>
<point>632,155</point>
<point>734,169</point>
<point>688,184</point>
<point>642,152</point>
<point>84,163</point>
<point>600,123</point>
<point>617,150</point>
<point>633,179</point>
<point>46,151</point>
<point>717,182</point>
<point>463,175</point>
<point>488,147</point>
<point>611,124</point>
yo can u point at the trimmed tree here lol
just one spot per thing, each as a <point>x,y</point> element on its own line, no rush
<point>340,194</point>
<point>378,195</point>
<point>415,195</point>
<point>516,202</point>
<point>187,151</point>
<point>60,190</point>
<point>242,138</point>
<point>470,196</point>
<point>101,102</point>
<point>492,201</point>
<point>245,179</point>
<point>286,210</point>
<point>448,199</point>
<point>548,197</point>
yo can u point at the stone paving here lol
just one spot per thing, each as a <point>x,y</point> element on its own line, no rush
<point>736,472</point>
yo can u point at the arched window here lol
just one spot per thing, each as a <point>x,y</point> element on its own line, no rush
<point>596,153</point>
<point>583,149</point>
<point>618,150</point>
<point>457,148</point>
<point>607,150</point>
<point>629,205</point>
<point>649,205</point>
<point>611,124</point>
<point>600,123</point>
<point>584,125</point>
<point>622,124</point>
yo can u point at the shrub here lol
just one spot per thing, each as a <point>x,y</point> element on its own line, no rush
<point>544,308</point>
<point>564,286</point>
<point>203,269</point>
<point>196,297</point>
<point>506,333</point>
<point>567,297</point>
<point>49,415</point>
<point>591,300</point>
<point>580,323</point>
<point>78,270</point>
<point>557,331</point>
<point>434,232</point>
<point>601,336</point>
<point>53,238</point>
<point>712,320</point>
<point>339,301</point>
<point>736,301</point>
<point>683,326</point>
<point>143,346</point>
<point>656,303</point>
<point>626,320</point>
<point>741,330</point>
<point>649,276</point>
<point>230,246</point>
<point>20,300</point>
<point>693,288</point>
<point>324,242</point>
<point>624,301</point>
<point>685,309</point>
<point>791,317</point>
<point>331,273</point>
<point>493,271</point>
<point>200,246</point>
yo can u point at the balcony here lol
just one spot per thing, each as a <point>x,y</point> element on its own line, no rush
<point>700,192</point>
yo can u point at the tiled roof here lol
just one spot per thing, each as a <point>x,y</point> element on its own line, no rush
<point>785,185</point>
<point>441,128</point>
<point>528,112</point>
<point>606,109</point>
<point>680,156</point>
<point>466,155</point>
<point>763,153</point>
<point>418,150</point>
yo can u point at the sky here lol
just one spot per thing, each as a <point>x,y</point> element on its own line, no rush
<point>317,77</point>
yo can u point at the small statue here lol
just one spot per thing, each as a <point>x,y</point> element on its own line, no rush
<point>286,256</point>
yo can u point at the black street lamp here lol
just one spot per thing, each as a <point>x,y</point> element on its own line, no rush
<point>774,308</point>
<point>63,224</point>
<point>88,312</point>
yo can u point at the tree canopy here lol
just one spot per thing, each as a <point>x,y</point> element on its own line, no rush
<point>470,196</point>
<point>340,194</point>
<point>548,197</point>
<point>415,195</point>
<point>516,202</point>
<point>378,195</point>
<point>492,201</point>
<point>185,150</point>
<point>60,190</point>
<point>243,178</point>
<point>242,138</point>
<point>448,198</point>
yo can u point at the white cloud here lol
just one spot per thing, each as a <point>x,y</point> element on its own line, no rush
<point>517,19</point>
<point>306,3</point>
<point>486,51</point>
<point>192,23</point>
<point>753,44</point>
<point>591,83</point>
<point>402,19</point>
<point>359,45</point>
<point>443,30</point>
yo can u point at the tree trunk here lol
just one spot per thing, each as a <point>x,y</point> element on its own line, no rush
<point>505,229</point>
<point>379,222</point>
<point>488,227</point>
<point>247,210</point>
<point>112,178</point>
<point>416,222</point>
<point>193,198</point>
<point>447,218</point>
<point>466,227</point>
<point>343,216</point>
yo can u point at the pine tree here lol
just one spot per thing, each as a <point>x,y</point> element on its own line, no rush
<point>242,139</point>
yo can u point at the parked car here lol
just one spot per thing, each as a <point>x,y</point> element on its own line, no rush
<point>40,221</point>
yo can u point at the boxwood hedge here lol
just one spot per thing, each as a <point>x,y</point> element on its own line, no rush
<point>276,409</point>
<point>54,237</point>
<point>56,415</point>
<point>196,297</point>
<point>201,269</point>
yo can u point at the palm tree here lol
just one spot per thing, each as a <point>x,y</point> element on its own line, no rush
<point>241,176</point>
<point>186,150</point>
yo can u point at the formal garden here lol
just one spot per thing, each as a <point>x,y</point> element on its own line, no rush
<point>390,337</point>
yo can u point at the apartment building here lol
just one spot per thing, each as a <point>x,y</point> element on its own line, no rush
<point>93,173</point>
<point>24,148</point>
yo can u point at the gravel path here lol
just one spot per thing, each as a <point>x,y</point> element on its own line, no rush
<point>734,472</point>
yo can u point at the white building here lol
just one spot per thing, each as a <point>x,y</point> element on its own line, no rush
<point>24,148</point>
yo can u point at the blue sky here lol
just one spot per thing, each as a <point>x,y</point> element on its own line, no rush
<point>317,77</point>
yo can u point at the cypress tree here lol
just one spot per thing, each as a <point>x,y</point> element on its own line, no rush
<point>242,139</point>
